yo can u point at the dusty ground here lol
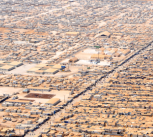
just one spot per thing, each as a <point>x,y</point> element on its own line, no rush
<point>9,90</point>
<point>86,54</point>
<point>23,70</point>
<point>36,95</point>
<point>73,70</point>
<point>58,94</point>
<point>86,62</point>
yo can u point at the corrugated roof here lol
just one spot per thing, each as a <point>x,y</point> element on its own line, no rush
<point>53,101</point>
<point>41,65</point>
<point>6,67</point>
<point>14,63</point>
<point>57,66</point>
<point>52,70</point>
<point>34,69</point>
<point>20,101</point>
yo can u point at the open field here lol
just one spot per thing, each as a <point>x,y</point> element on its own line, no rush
<point>62,95</point>
<point>22,69</point>
<point>86,54</point>
<point>9,90</point>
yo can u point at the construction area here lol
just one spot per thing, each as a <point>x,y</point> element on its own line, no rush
<point>36,95</point>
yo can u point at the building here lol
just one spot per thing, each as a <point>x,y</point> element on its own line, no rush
<point>38,89</point>
<point>51,71</point>
<point>26,91</point>
<point>41,65</point>
<point>34,41</point>
<point>73,60</point>
<point>126,52</point>
<point>18,101</point>
<point>33,70</point>
<point>7,68</point>
<point>39,72</point>
<point>16,63</point>
<point>117,55</point>
<point>53,101</point>
<point>72,33</point>
<point>104,34</point>
<point>57,66</point>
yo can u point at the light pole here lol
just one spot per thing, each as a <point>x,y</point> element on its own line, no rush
<point>19,129</point>
<point>98,54</point>
<point>97,47</point>
<point>50,124</point>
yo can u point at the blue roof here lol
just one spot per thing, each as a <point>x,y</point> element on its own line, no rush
<point>26,90</point>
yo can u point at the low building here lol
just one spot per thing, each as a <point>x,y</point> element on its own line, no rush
<point>34,41</point>
<point>41,65</point>
<point>7,68</point>
<point>104,34</point>
<point>72,33</point>
<point>53,101</point>
<point>51,71</point>
<point>26,91</point>
<point>16,63</point>
<point>33,70</point>
<point>73,60</point>
<point>101,57</point>
<point>126,52</point>
<point>18,101</point>
<point>117,55</point>
<point>57,66</point>
<point>38,89</point>
<point>39,71</point>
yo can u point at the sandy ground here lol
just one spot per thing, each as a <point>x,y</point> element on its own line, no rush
<point>91,51</point>
<point>22,69</point>
<point>57,54</point>
<point>62,94</point>
<point>86,54</point>
<point>9,90</point>
<point>65,60</point>
<point>73,70</point>
<point>86,62</point>
<point>83,56</point>
<point>44,61</point>
<point>104,63</point>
